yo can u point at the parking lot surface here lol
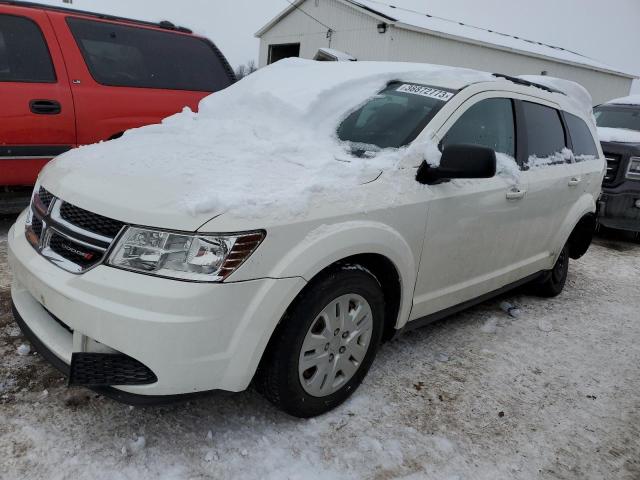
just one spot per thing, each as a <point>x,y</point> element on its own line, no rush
<point>551,394</point>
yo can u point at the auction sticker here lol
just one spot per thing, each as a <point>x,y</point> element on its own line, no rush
<point>426,92</point>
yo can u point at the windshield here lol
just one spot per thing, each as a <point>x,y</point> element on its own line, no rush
<point>618,117</point>
<point>394,117</point>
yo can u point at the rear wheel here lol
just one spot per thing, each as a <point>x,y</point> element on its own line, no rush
<point>325,345</point>
<point>554,281</point>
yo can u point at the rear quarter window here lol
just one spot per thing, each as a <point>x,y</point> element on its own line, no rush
<point>581,137</point>
<point>545,132</point>
<point>24,54</point>
<point>126,56</point>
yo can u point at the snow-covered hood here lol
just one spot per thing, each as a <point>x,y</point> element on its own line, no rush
<point>619,135</point>
<point>265,144</point>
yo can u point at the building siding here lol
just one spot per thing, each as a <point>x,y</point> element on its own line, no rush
<point>356,34</point>
<point>353,30</point>
<point>409,46</point>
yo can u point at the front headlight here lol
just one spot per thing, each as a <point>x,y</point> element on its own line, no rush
<point>633,173</point>
<point>199,258</point>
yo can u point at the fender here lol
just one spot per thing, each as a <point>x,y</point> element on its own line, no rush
<point>584,206</point>
<point>328,244</point>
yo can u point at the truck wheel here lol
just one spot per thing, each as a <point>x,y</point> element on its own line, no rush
<point>554,281</point>
<point>326,343</point>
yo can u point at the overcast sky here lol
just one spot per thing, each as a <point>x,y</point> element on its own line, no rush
<point>605,30</point>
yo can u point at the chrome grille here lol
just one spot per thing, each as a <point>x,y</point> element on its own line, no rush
<point>74,239</point>
<point>613,167</point>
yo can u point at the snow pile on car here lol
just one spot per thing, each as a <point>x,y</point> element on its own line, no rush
<point>621,135</point>
<point>576,93</point>
<point>630,100</point>
<point>268,140</point>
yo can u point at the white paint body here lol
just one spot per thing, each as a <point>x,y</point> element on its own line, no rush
<point>449,243</point>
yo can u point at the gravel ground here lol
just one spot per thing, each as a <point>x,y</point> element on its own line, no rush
<point>552,394</point>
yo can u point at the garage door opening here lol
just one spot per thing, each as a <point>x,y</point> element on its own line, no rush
<point>285,50</point>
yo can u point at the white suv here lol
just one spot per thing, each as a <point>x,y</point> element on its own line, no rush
<point>302,217</point>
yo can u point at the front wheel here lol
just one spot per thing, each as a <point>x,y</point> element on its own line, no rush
<point>554,281</point>
<point>326,343</point>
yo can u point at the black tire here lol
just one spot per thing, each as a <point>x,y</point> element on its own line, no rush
<point>554,281</point>
<point>278,376</point>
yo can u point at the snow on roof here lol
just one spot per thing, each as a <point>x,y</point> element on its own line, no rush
<point>630,100</point>
<point>423,22</point>
<point>576,93</point>
<point>402,17</point>
<point>620,135</point>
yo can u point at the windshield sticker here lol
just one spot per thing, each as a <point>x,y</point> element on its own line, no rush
<point>426,92</point>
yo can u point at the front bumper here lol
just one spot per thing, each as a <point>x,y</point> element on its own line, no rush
<point>193,337</point>
<point>617,207</point>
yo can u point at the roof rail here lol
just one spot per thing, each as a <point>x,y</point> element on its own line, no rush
<point>164,24</point>
<point>526,83</point>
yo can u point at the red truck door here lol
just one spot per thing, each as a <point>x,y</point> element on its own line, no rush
<point>125,75</point>
<point>37,119</point>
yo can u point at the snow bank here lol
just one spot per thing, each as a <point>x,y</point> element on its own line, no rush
<point>630,100</point>
<point>621,135</point>
<point>267,140</point>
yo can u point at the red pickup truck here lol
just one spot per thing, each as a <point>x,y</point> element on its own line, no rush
<point>70,78</point>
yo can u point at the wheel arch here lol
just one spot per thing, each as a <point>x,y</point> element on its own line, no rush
<point>582,236</point>
<point>386,274</point>
<point>377,247</point>
<point>380,267</point>
<point>576,226</point>
<point>374,246</point>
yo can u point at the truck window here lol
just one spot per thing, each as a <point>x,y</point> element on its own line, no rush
<point>24,55</point>
<point>488,123</point>
<point>545,133</point>
<point>581,137</point>
<point>125,56</point>
<point>618,116</point>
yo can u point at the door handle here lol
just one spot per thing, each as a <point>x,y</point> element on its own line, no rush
<point>45,107</point>
<point>516,194</point>
<point>575,181</point>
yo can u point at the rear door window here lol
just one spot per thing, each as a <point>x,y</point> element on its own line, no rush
<point>24,55</point>
<point>489,123</point>
<point>125,56</point>
<point>545,132</point>
<point>581,137</point>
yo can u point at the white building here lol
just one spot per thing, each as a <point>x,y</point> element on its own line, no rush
<point>373,30</point>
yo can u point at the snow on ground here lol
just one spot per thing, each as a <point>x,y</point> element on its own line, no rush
<point>622,135</point>
<point>551,394</point>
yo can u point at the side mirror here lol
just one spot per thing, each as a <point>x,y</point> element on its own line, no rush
<point>460,161</point>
